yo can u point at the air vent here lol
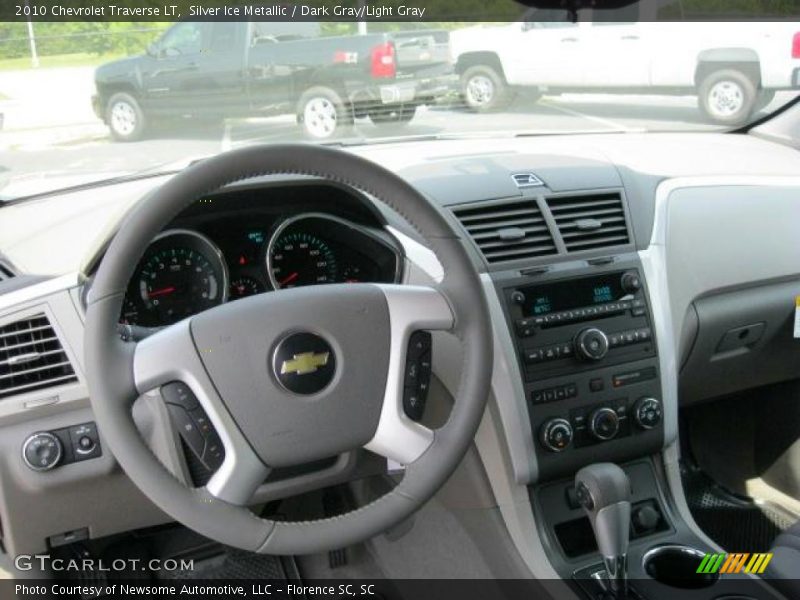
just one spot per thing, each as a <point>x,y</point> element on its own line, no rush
<point>507,231</point>
<point>31,357</point>
<point>589,222</point>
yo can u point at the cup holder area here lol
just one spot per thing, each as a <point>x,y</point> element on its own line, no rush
<point>676,566</point>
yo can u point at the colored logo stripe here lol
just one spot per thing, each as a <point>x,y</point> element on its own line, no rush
<point>734,563</point>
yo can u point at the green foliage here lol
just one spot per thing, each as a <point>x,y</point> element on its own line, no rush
<point>74,37</point>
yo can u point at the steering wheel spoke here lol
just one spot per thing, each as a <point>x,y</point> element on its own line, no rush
<point>411,309</point>
<point>170,356</point>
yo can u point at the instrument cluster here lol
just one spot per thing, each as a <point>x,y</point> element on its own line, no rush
<point>188,270</point>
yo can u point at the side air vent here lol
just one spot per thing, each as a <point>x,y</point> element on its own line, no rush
<point>506,231</point>
<point>589,222</point>
<point>31,357</point>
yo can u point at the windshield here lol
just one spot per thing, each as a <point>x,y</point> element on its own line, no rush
<point>84,101</point>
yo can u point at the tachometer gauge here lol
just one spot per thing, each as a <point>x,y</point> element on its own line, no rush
<point>298,255</point>
<point>181,273</point>
<point>245,286</point>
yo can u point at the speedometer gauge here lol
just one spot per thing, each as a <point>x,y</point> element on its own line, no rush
<point>182,273</point>
<point>298,255</point>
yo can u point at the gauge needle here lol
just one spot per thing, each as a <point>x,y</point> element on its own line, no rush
<point>289,278</point>
<point>161,292</point>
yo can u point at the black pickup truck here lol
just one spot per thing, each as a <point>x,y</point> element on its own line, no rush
<point>237,69</point>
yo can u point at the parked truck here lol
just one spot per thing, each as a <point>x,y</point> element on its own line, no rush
<point>733,69</point>
<point>231,69</point>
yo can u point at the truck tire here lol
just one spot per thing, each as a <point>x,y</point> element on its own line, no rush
<point>322,113</point>
<point>727,97</point>
<point>399,115</point>
<point>125,118</point>
<point>484,89</point>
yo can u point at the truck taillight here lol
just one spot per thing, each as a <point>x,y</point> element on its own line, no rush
<point>383,63</point>
<point>796,45</point>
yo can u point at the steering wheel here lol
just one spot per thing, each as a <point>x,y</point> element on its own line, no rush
<point>290,376</point>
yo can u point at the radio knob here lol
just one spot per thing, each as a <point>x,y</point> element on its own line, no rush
<point>591,343</point>
<point>647,412</point>
<point>518,297</point>
<point>631,282</point>
<point>604,424</point>
<point>556,435</point>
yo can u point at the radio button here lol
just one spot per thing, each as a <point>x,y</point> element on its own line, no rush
<point>572,390</point>
<point>550,354</point>
<point>643,334</point>
<point>537,396</point>
<point>638,312</point>
<point>534,356</point>
<point>565,349</point>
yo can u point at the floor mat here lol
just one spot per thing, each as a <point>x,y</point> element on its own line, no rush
<point>231,563</point>
<point>735,523</point>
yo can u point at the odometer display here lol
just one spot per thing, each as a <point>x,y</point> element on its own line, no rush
<point>181,274</point>
<point>297,257</point>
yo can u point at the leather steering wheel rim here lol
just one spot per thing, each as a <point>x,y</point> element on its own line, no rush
<point>114,387</point>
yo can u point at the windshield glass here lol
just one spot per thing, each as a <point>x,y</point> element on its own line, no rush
<point>84,101</point>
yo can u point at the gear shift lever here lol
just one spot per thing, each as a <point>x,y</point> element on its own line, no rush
<point>604,491</point>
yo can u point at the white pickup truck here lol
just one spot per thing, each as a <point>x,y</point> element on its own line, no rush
<point>731,79</point>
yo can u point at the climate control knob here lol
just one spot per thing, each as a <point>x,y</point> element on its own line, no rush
<point>604,424</point>
<point>556,435</point>
<point>591,344</point>
<point>42,451</point>
<point>647,412</point>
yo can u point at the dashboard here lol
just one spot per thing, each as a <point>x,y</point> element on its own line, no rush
<point>691,237</point>
<point>229,247</point>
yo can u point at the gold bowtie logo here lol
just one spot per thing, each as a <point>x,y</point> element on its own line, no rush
<point>305,363</point>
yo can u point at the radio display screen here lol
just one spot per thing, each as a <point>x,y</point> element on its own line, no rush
<point>575,293</point>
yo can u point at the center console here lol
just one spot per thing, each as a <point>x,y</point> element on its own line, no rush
<point>587,351</point>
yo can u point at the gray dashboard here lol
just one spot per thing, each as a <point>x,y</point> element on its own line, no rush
<point>712,219</point>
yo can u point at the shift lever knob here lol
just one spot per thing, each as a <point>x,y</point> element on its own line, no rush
<point>604,491</point>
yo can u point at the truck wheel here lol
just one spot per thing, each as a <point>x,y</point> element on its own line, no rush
<point>484,89</point>
<point>393,114</point>
<point>727,97</point>
<point>323,114</point>
<point>125,118</point>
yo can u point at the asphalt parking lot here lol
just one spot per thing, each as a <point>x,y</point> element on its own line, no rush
<point>40,141</point>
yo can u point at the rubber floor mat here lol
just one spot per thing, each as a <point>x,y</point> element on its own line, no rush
<point>233,564</point>
<point>735,523</point>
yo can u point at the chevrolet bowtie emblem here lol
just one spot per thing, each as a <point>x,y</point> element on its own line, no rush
<point>305,363</point>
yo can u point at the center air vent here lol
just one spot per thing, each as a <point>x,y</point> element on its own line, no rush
<point>590,221</point>
<point>31,357</point>
<point>506,231</point>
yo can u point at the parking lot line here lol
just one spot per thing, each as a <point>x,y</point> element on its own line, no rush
<point>614,125</point>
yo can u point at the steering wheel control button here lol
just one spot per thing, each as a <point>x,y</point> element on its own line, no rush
<point>604,424</point>
<point>187,428</point>
<point>214,452</point>
<point>417,374</point>
<point>84,441</point>
<point>304,363</point>
<point>556,435</point>
<point>647,412</point>
<point>42,451</point>
<point>180,394</point>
